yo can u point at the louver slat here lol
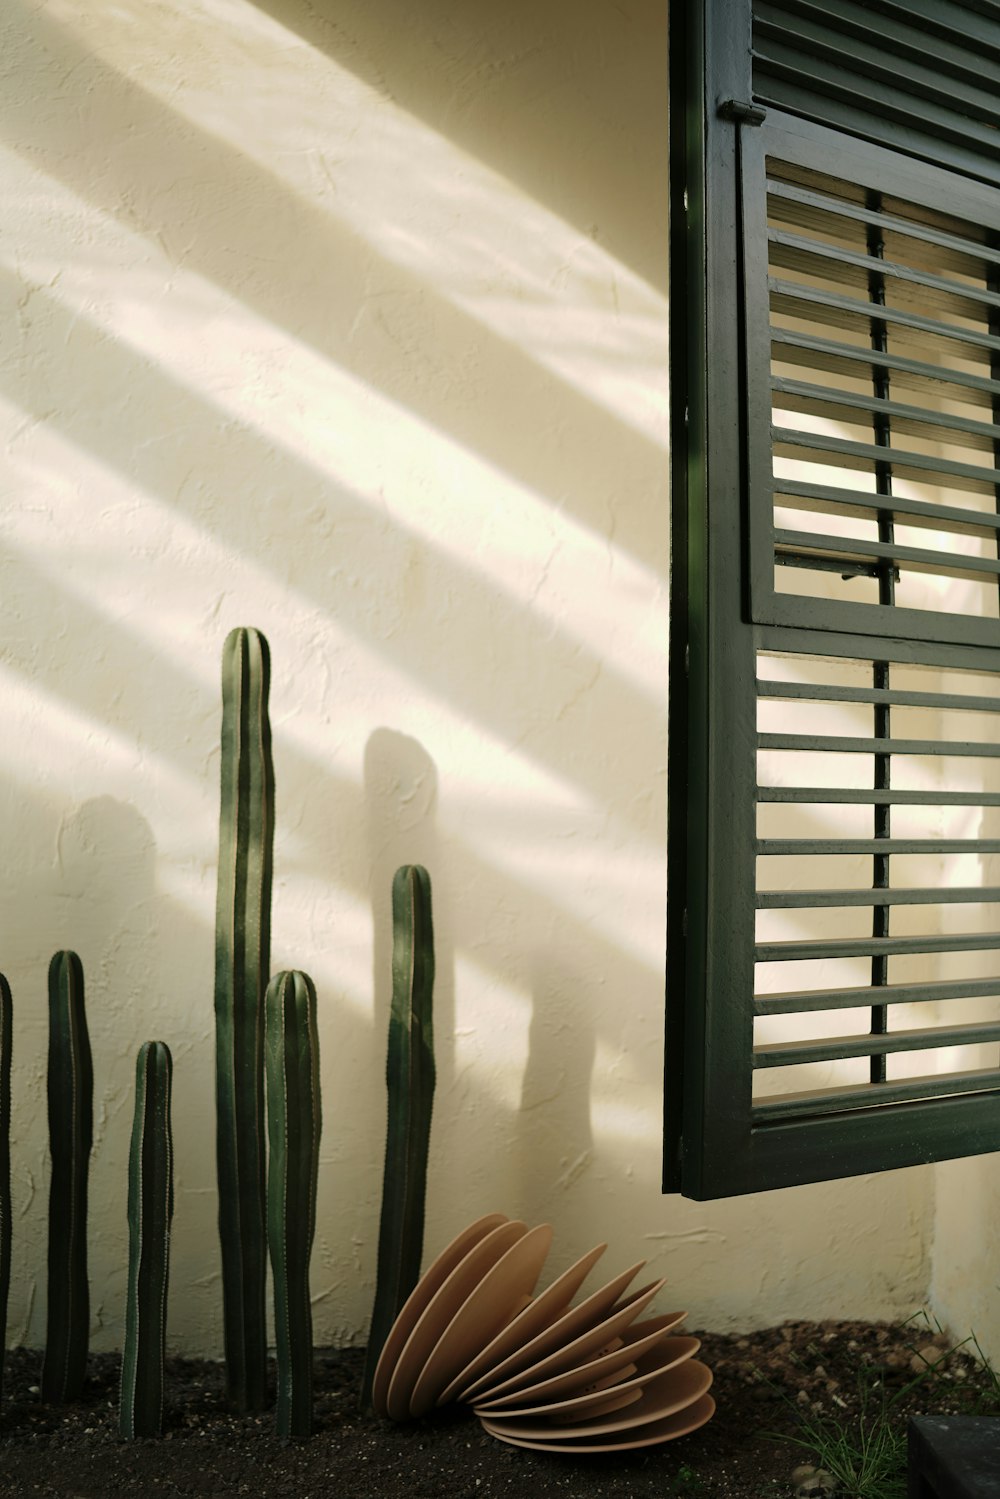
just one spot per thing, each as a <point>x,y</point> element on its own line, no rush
<point>922,77</point>
<point>845,744</point>
<point>854,315</point>
<point>815,210</point>
<point>796,252</point>
<point>861,1046</point>
<point>808,1000</point>
<point>906,373</point>
<point>827,693</point>
<point>877,797</point>
<point>783,952</point>
<point>809,1105</point>
<point>911,421</point>
<point>826,501</point>
<point>798,847</point>
<point>790,900</point>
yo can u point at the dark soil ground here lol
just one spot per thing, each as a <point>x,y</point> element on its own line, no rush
<point>765,1383</point>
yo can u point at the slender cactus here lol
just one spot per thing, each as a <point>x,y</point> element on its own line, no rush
<point>6,1034</point>
<point>293,1129</point>
<point>70,1093</point>
<point>242,961</point>
<point>150,1210</point>
<point>410,1083</point>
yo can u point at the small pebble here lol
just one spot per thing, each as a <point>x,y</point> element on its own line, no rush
<point>813,1483</point>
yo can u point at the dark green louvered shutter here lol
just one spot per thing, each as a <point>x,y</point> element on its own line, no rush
<point>834,938</point>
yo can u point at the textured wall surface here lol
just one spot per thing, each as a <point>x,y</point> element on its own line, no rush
<point>966,1280</point>
<point>348,321</point>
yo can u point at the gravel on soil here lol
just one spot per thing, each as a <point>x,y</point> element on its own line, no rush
<point>766,1383</point>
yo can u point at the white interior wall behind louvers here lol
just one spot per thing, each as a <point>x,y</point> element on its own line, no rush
<point>356,331</point>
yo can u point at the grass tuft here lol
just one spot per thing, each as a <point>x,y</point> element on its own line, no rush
<point>866,1452</point>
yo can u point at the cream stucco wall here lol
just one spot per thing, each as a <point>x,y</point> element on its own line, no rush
<point>965,1287</point>
<point>349,322</point>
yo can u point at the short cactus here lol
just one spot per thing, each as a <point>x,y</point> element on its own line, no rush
<point>242,963</point>
<point>293,1127</point>
<point>150,1210</point>
<point>70,1096</point>
<point>410,1082</point>
<point>6,1034</point>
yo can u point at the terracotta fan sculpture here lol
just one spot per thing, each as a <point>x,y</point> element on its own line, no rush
<point>539,1371</point>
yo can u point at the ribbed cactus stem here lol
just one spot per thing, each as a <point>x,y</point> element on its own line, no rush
<point>242,962</point>
<point>150,1210</point>
<point>70,1097</point>
<point>6,1035</point>
<point>293,1131</point>
<point>410,1083</point>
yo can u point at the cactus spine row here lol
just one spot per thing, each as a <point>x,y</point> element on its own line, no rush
<point>293,1129</point>
<point>150,1210</point>
<point>6,1035</point>
<point>410,1083</point>
<point>242,960</point>
<point>70,1098</point>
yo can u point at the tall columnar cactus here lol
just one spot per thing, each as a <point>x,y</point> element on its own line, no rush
<point>242,961</point>
<point>6,1035</point>
<point>70,1094</point>
<point>293,1128</point>
<point>150,1210</point>
<point>410,1082</point>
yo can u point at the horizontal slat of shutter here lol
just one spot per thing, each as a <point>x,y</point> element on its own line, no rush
<point>807,1001</point>
<point>854,316</point>
<point>790,900</point>
<point>827,501</point>
<point>829,693</point>
<point>924,78</point>
<point>819,210</point>
<point>792,252</point>
<point>792,347</point>
<point>809,1104</point>
<point>843,744</point>
<point>912,421</point>
<point>784,952</point>
<point>862,1046</point>
<point>799,847</point>
<point>875,797</point>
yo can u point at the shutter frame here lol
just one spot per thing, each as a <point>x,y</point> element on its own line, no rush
<point>724,609</point>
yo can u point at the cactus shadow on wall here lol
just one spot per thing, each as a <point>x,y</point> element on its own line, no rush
<point>554,1132</point>
<point>97,893</point>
